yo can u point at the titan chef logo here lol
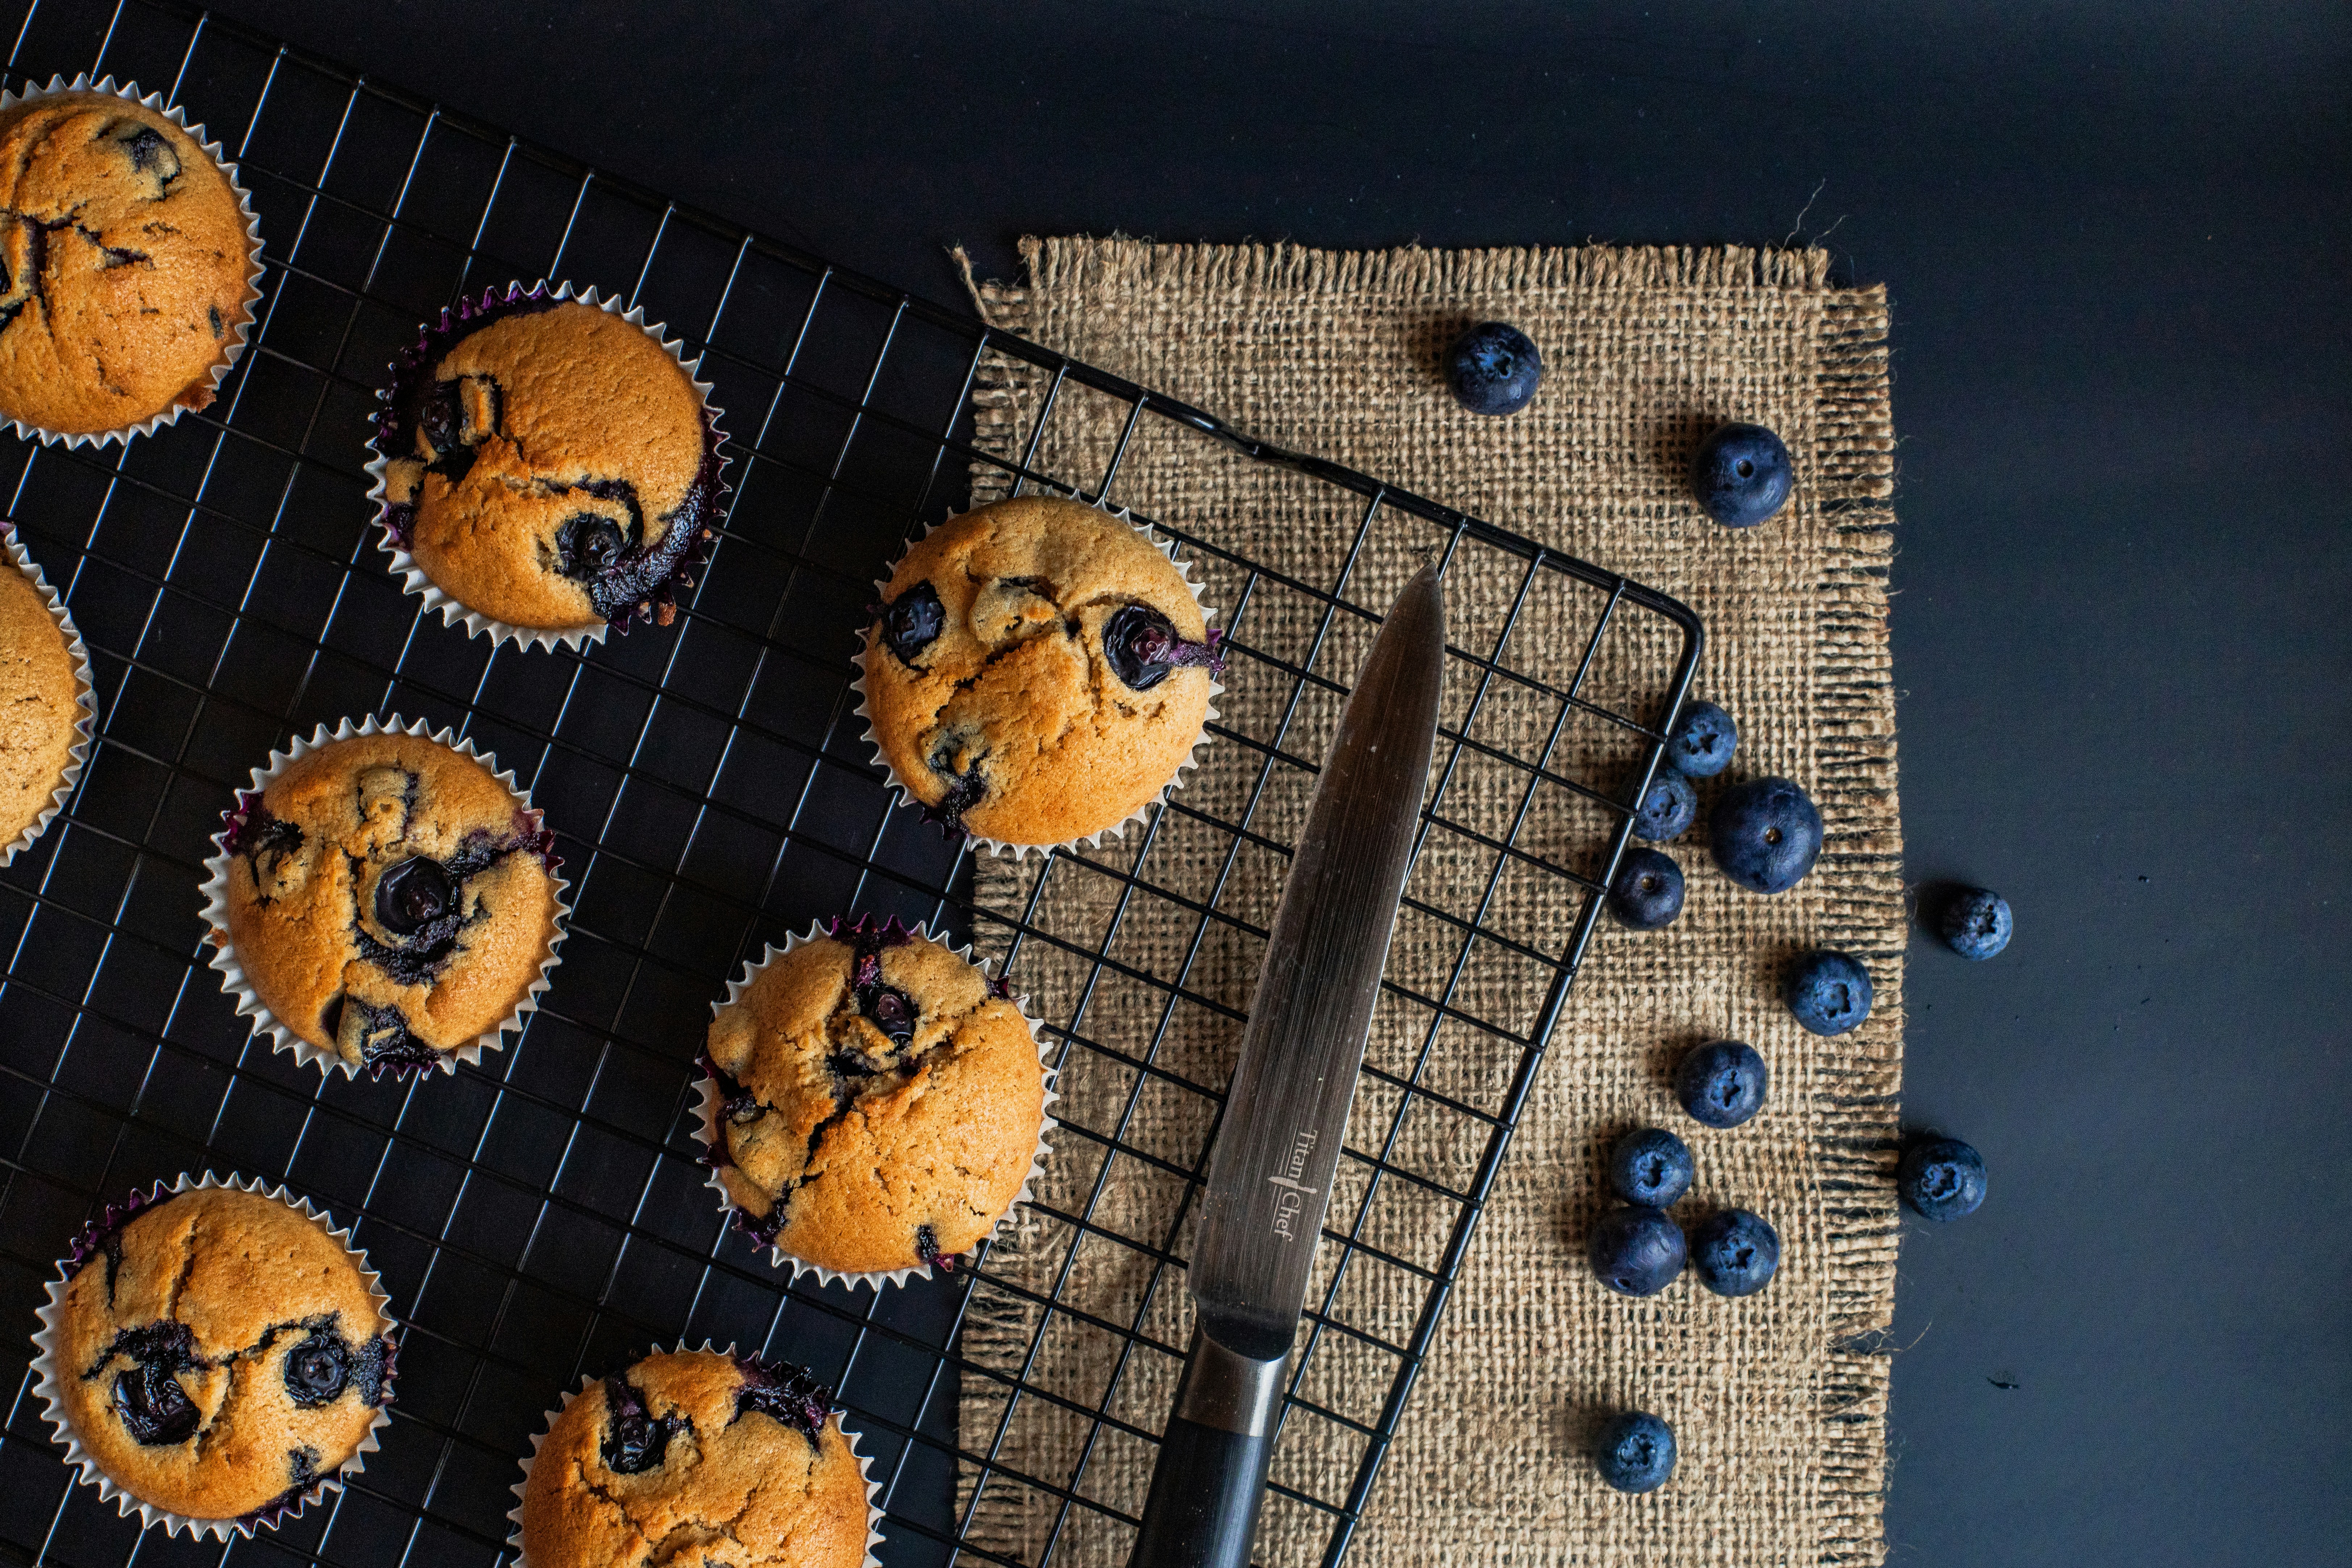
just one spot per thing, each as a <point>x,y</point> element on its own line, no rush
<point>1290,1197</point>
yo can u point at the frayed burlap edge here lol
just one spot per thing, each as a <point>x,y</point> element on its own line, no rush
<point>1855,1136</point>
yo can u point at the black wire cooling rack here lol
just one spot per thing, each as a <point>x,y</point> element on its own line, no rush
<point>543,1216</point>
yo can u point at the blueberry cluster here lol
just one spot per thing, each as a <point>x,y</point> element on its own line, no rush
<point>1638,1250</point>
<point>1766,833</point>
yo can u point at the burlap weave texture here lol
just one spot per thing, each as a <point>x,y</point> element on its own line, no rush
<point>1779,1400</point>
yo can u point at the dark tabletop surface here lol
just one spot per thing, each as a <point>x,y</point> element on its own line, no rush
<point>2115,247</point>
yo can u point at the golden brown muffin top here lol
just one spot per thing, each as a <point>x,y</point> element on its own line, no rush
<point>40,704</point>
<point>551,467</point>
<point>879,1102</point>
<point>389,898</point>
<point>220,1350</point>
<point>127,264</point>
<point>691,1457</point>
<point>1039,672</point>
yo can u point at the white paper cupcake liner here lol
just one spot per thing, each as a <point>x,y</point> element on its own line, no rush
<point>52,1379</point>
<point>215,909</point>
<point>85,700</point>
<point>707,1120</point>
<point>413,576</point>
<point>539,1439</point>
<point>231,351</point>
<point>1192,758</point>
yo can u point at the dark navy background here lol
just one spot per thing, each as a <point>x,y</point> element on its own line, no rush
<point>2117,245</point>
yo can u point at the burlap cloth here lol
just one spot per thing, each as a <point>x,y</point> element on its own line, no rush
<point>1777,1401</point>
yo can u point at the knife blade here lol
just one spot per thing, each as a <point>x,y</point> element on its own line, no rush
<point>1270,1174</point>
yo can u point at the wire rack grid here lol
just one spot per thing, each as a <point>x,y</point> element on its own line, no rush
<point>543,1216</point>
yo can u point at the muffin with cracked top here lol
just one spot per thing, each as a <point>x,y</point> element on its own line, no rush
<point>219,1354</point>
<point>1038,671</point>
<point>547,464</point>
<point>389,898</point>
<point>695,1456</point>
<point>125,272</point>
<point>875,1100</point>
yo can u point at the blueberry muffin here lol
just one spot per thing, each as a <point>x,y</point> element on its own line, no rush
<point>1038,672</point>
<point>389,898</point>
<point>696,1457</point>
<point>218,1353</point>
<point>127,264</point>
<point>875,1101</point>
<point>550,465</point>
<point>40,704</point>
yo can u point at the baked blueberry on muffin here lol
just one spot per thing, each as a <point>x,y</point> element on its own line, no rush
<point>40,705</point>
<point>217,1355</point>
<point>696,1456</point>
<point>874,1101</point>
<point>1038,671</point>
<point>388,898</point>
<point>127,264</point>
<point>549,464</point>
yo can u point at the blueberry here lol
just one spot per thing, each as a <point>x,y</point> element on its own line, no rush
<point>912,620</point>
<point>633,1441</point>
<point>413,894</point>
<point>1636,1251</point>
<point>1975,923</point>
<point>1721,1083</point>
<point>318,1368</point>
<point>1142,646</point>
<point>1493,369</point>
<point>1734,1253</point>
<point>148,1398</point>
<point>1637,1452</point>
<point>1766,834</point>
<point>891,1012</point>
<point>1828,993</point>
<point>784,1394</point>
<point>1701,741</point>
<point>926,1247</point>
<point>1650,1167</point>
<point>1648,891</point>
<point>1943,1179</point>
<point>589,545</point>
<point>1740,475</point>
<point>148,152</point>
<point>1668,807</point>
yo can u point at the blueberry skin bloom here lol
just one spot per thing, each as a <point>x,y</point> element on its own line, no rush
<point>1668,807</point>
<point>1766,834</point>
<point>1493,369</point>
<point>1636,1251</point>
<point>1828,993</point>
<point>1648,891</point>
<point>1976,924</point>
<point>1651,1167</point>
<point>1721,1083</point>
<point>1942,1180</point>
<point>1701,741</point>
<point>1740,476</point>
<point>1734,1252</point>
<point>1637,1452</point>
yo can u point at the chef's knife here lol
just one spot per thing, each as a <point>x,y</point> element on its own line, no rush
<point>1270,1174</point>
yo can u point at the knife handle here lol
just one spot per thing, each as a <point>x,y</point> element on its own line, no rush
<point>1211,1477</point>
